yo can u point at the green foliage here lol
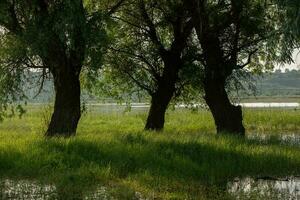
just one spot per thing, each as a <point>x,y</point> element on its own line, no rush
<point>290,26</point>
<point>11,77</point>
<point>35,35</point>
<point>134,64</point>
<point>111,86</point>
<point>133,55</point>
<point>243,37</point>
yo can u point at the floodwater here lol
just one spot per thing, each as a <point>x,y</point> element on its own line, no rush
<point>33,190</point>
<point>287,139</point>
<point>270,105</point>
<point>246,188</point>
<point>24,189</point>
<point>245,105</point>
<point>265,188</point>
<point>287,188</point>
<point>240,188</point>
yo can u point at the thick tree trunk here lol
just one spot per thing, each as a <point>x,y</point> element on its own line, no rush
<point>165,91</point>
<point>158,108</point>
<point>67,111</point>
<point>228,118</point>
<point>162,97</point>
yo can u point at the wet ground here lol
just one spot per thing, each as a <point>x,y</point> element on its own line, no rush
<point>282,188</point>
<point>265,188</point>
<point>287,188</point>
<point>284,139</point>
<point>247,188</point>
<point>24,189</point>
<point>33,190</point>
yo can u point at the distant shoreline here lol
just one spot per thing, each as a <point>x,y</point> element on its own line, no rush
<point>271,104</point>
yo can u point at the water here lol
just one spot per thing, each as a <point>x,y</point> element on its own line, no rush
<point>270,105</point>
<point>253,105</point>
<point>246,188</point>
<point>33,190</point>
<point>245,105</point>
<point>24,189</point>
<point>265,188</point>
<point>286,139</point>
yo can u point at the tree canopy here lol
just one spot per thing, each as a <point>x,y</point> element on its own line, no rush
<point>166,49</point>
<point>57,38</point>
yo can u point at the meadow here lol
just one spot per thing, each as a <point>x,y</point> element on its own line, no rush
<point>185,161</point>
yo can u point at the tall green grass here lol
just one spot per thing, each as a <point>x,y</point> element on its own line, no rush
<point>185,161</point>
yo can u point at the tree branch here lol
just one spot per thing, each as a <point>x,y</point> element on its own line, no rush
<point>152,30</point>
<point>141,58</point>
<point>141,85</point>
<point>115,7</point>
<point>249,59</point>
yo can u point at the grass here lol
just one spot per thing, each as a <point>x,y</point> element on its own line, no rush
<point>186,161</point>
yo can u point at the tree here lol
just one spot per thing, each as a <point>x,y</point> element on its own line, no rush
<point>150,51</point>
<point>10,82</point>
<point>290,25</point>
<point>56,37</point>
<point>234,35</point>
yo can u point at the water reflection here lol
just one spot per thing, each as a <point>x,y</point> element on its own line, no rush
<point>270,105</point>
<point>24,189</point>
<point>33,190</point>
<point>265,188</point>
<point>290,139</point>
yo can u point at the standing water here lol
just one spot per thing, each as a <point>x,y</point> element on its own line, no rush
<point>265,188</point>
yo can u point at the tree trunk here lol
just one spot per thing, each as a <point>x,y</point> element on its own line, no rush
<point>158,108</point>
<point>228,118</point>
<point>161,98</point>
<point>165,91</point>
<point>67,111</point>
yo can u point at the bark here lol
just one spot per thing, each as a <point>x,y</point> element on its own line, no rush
<point>67,111</point>
<point>65,65</point>
<point>158,108</point>
<point>164,93</point>
<point>228,118</point>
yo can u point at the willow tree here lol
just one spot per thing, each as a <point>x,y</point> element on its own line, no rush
<point>234,35</point>
<point>58,37</point>
<point>290,25</point>
<point>150,51</point>
<point>11,78</point>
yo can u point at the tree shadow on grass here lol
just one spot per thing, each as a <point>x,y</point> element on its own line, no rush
<point>79,164</point>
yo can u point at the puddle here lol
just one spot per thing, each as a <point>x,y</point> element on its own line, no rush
<point>109,106</point>
<point>32,190</point>
<point>265,188</point>
<point>23,189</point>
<point>99,193</point>
<point>290,139</point>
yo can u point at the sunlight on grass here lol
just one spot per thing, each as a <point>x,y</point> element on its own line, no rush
<point>186,161</point>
